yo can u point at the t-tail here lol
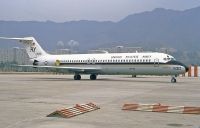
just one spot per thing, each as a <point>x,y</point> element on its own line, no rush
<point>32,47</point>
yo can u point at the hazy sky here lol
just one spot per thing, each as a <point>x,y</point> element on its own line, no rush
<point>67,10</point>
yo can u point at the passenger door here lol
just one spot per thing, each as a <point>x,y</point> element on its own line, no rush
<point>156,62</point>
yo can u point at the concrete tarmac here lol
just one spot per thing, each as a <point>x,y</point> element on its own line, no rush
<point>26,99</point>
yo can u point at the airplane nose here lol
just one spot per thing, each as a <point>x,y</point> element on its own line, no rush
<point>186,68</point>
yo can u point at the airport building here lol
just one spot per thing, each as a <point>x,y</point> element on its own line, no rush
<point>62,51</point>
<point>119,49</point>
<point>19,56</point>
<point>167,50</point>
<point>123,49</point>
<point>15,55</point>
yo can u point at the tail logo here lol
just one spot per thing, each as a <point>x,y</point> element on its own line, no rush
<point>33,47</point>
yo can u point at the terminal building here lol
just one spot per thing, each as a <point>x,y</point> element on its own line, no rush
<point>15,55</point>
<point>19,56</point>
<point>118,49</point>
<point>62,51</point>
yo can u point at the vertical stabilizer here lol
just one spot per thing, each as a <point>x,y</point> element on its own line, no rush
<point>32,47</point>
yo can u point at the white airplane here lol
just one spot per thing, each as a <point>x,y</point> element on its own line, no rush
<point>106,63</point>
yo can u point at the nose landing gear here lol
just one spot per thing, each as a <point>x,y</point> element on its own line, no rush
<point>173,80</point>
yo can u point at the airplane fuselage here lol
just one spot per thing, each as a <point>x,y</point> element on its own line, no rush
<point>118,63</point>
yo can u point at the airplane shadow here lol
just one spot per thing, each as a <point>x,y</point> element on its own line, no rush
<point>134,80</point>
<point>131,80</point>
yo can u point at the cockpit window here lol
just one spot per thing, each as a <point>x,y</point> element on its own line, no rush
<point>169,58</point>
<point>173,58</point>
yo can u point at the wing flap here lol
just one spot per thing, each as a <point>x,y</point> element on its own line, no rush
<point>70,69</point>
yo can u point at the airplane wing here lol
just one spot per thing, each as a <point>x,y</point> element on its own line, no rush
<point>70,69</point>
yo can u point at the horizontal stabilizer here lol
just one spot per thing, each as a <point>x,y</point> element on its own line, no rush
<point>23,39</point>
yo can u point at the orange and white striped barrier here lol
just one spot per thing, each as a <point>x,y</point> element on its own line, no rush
<point>74,111</point>
<point>161,108</point>
<point>194,71</point>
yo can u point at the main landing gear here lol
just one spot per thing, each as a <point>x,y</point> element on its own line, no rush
<point>93,77</point>
<point>78,77</point>
<point>173,80</point>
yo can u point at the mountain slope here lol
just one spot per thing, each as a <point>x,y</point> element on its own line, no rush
<point>154,29</point>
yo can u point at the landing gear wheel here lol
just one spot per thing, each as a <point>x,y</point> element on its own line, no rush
<point>173,80</point>
<point>77,77</point>
<point>93,77</point>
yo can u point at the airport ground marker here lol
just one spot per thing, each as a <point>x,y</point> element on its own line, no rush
<point>74,111</point>
<point>161,108</point>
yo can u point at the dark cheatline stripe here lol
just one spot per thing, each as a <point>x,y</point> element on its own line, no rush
<point>114,64</point>
<point>120,63</point>
<point>127,63</point>
<point>176,63</point>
